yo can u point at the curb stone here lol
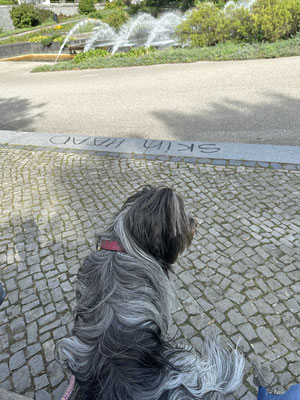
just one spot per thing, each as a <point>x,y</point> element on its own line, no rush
<point>150,157</point>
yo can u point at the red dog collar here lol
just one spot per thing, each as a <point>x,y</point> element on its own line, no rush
<point>112,245</point>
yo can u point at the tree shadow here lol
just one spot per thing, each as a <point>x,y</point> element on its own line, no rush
<point>274,120</point>
<point>16,114</point>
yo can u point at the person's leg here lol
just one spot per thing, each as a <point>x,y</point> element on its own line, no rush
<point>292,394</point>
<point>2,294</point>
<point>266,390</point>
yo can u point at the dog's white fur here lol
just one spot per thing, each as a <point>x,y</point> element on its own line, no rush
<point>119,349</point>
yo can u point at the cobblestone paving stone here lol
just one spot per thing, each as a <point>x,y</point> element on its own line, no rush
<point>241,276</point>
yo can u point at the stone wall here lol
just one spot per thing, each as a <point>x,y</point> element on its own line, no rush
<point>18,49</point>
<point>5,20</point>
<point>65,9</point>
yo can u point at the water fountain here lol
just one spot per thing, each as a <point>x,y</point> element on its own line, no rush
<point>75,29</point>
<point>102,34</point>
<point>141,30</point>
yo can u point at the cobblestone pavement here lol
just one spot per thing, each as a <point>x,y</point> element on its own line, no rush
<point>241,276</point>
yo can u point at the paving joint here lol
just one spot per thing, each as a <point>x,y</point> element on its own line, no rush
<point>240,277</point>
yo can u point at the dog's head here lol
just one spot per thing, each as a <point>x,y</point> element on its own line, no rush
<point>155,219</point>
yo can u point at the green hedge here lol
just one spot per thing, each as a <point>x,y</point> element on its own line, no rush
<point>267,20</point>
<point>205,26</point>
<point>115,15</point>
<point>116,18</point>
<point>8,2</point>
<point>275,19</point>
<point>86,6</point>
<point>24,16</point>
<point>81,57</point>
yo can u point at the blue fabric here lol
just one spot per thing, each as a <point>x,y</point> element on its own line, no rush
<point>2,294</point>
<point>292,394</point>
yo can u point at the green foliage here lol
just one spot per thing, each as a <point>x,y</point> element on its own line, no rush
<point>205,26</point>
<point>24,16</point>
<point>271,20</point>
<point>48,40</point>
<point>44,15</point>
<point>224,51</point>
<point>96,14</point>
<point>135,52</point>
<point>8,2</point>
<point>88,55</point>
<point>86,6</point>
<point>113,14</point>
<point>294,8</point>
<point>142,7</point>
<point>111,5</point>
<point>239,26</point>
<point>267,20</point>
<point>132,53</point>
<point>116,18</point>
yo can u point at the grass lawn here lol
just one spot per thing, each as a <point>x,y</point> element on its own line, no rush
<point>222,52</point>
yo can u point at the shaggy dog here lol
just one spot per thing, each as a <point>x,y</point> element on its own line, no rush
<point>119,349</point>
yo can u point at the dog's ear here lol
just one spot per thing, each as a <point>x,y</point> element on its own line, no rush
<point>156,221</point>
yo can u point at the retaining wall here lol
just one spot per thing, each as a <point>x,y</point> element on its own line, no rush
<point>18,49</point>
<point>5,20</point>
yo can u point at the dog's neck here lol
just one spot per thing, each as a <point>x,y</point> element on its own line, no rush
<point>112,245</point>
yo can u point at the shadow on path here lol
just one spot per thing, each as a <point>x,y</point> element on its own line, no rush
<point>15,113</point>
<point>275,120</point>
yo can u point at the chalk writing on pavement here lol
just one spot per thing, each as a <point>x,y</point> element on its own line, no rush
<point>143,145</point>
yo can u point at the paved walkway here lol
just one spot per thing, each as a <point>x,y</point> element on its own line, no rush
<point>241,275</point>
<point>251,101</point>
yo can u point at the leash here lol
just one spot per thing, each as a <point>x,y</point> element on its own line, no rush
<point>70,388</point>
<point>112,245</point>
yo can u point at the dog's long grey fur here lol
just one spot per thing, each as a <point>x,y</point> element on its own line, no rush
<point>119,348</point>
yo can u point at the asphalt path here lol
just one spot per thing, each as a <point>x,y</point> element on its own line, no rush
<point>256,101</point>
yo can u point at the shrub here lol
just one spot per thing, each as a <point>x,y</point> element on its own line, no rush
<point>96,14</point>
<point>110,5</point>
<point>62,17</point>
<point>116,18</point>
<point>272,20</point>
<point>141,8</point>
<point>48,40</point>
<point>293,7</point>
<point>44,15</point>
<point>239,23</point>
<point>139,51</point>
<point>86,6</point>
<point>205,26</point>
<point>81,57</point>
<point>8,2</point>
<point>35,39</point>
<point>24,16</point>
